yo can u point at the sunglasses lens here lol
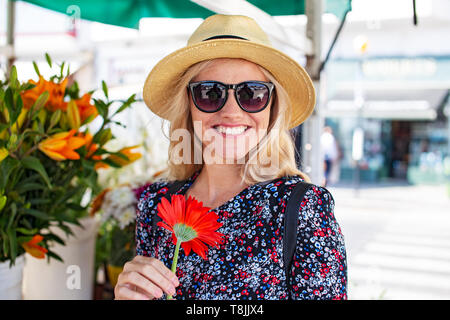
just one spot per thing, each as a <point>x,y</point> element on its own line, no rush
<point>209,96</point>
<point>252,96</point>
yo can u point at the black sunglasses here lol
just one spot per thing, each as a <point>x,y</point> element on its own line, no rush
<point>211,96</point>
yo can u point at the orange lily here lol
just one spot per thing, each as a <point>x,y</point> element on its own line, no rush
<point>30,96</point>
<point>56,94</point>
<point>91,147</point>
<point>33,248</point>
<point>86,109</point>
<point>132,156</point>
<point>62,146</point>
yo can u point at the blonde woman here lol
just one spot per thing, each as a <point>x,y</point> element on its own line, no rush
<point>231,98</point>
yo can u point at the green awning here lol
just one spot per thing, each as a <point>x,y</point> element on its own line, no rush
<point>127,13</point>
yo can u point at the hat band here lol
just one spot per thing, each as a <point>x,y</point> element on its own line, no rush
<point>224,36</point>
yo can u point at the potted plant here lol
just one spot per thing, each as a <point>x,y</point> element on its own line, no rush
<point>116,206</point>
<point>49,158</point>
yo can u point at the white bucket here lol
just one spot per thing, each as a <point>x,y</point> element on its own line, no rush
<point>11,279</point>
<point>71,280</point>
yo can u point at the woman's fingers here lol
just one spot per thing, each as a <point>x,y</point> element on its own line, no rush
<point>141,273</point>
<point>123,292</point>
<point>145,277</point>
<point>142,284</point>
<point>166,272</point>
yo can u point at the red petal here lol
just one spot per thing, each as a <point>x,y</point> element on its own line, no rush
<point>199,248</point>
<point>165,226</point>
<point>166,212</point>
<point>187,247</point>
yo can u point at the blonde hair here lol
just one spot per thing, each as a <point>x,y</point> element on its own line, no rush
<point>279,142</point>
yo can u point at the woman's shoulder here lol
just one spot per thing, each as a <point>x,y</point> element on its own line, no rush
<point>290,182</point>
<point>150,188</point>
<point>312,192</point>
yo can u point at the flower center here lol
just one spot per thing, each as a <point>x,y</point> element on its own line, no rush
<point>184,232</point>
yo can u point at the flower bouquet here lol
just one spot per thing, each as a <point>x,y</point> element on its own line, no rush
<point>49,158</point>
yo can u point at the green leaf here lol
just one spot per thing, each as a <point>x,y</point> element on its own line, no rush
<point>126,104</point>
<point>55,118</point>
<point>38,214</point>
<point>105,88</point>
<point>51,254</point>
<point>120,155</point>
<point>27,86</point>
<point>75,207</point>
<point>26,223</point>
<point>62,69</point>
<point>2,202</point>
<point>38,104</point>
<point>49,60</point>
<point>33,163</point>
<point>111,163</point>
<point>103,136</point>
<point>25,187</point>
<point>54,237</point>
<point>29,232</point>
<point>5,241</point>
<point>13,78</point>
<point>11,106</point>
<point>7,166</point>
<point>36,69</point>
<point>68,231</point>
<point>24,239</point>
<point>101,107</point>
<point>39,201</point>
<point>12,243</point>
<point>12,215</point>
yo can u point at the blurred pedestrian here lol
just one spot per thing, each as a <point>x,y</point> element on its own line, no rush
<point>330,151</point>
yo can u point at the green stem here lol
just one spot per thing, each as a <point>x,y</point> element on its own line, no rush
<point>174,263</point>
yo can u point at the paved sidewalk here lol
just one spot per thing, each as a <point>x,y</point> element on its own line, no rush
<point>397,238</point>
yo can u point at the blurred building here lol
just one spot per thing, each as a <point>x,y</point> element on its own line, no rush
<point>397,91</point>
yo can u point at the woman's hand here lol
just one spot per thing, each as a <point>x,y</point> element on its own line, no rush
<point>145,278</point>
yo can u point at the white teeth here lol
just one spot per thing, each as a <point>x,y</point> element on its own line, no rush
<point>231,130</point>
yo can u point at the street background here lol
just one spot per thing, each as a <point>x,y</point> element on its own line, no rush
<point>398,240</point>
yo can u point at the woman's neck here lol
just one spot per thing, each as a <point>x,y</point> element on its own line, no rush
<point>217,183</point>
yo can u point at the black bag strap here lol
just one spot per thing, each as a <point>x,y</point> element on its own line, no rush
<point>291,222</point>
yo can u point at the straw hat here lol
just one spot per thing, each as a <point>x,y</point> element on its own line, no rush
<point>232,36</point>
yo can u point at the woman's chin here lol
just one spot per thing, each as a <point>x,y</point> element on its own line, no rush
<point>228,157</point>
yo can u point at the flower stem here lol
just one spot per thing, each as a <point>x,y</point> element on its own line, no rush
<point>174,263</point>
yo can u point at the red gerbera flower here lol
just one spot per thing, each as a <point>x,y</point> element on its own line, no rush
<point>192,225</point>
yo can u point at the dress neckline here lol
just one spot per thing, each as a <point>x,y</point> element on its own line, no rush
<point>191,181</point>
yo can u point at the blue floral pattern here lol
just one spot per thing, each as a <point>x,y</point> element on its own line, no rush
<point>249,264</point>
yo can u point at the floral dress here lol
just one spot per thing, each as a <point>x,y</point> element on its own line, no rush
<point>249,264</point>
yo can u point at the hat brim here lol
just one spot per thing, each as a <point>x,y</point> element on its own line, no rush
<point>287,71</point>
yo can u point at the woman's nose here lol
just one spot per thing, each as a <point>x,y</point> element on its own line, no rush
<point>231,105</point>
